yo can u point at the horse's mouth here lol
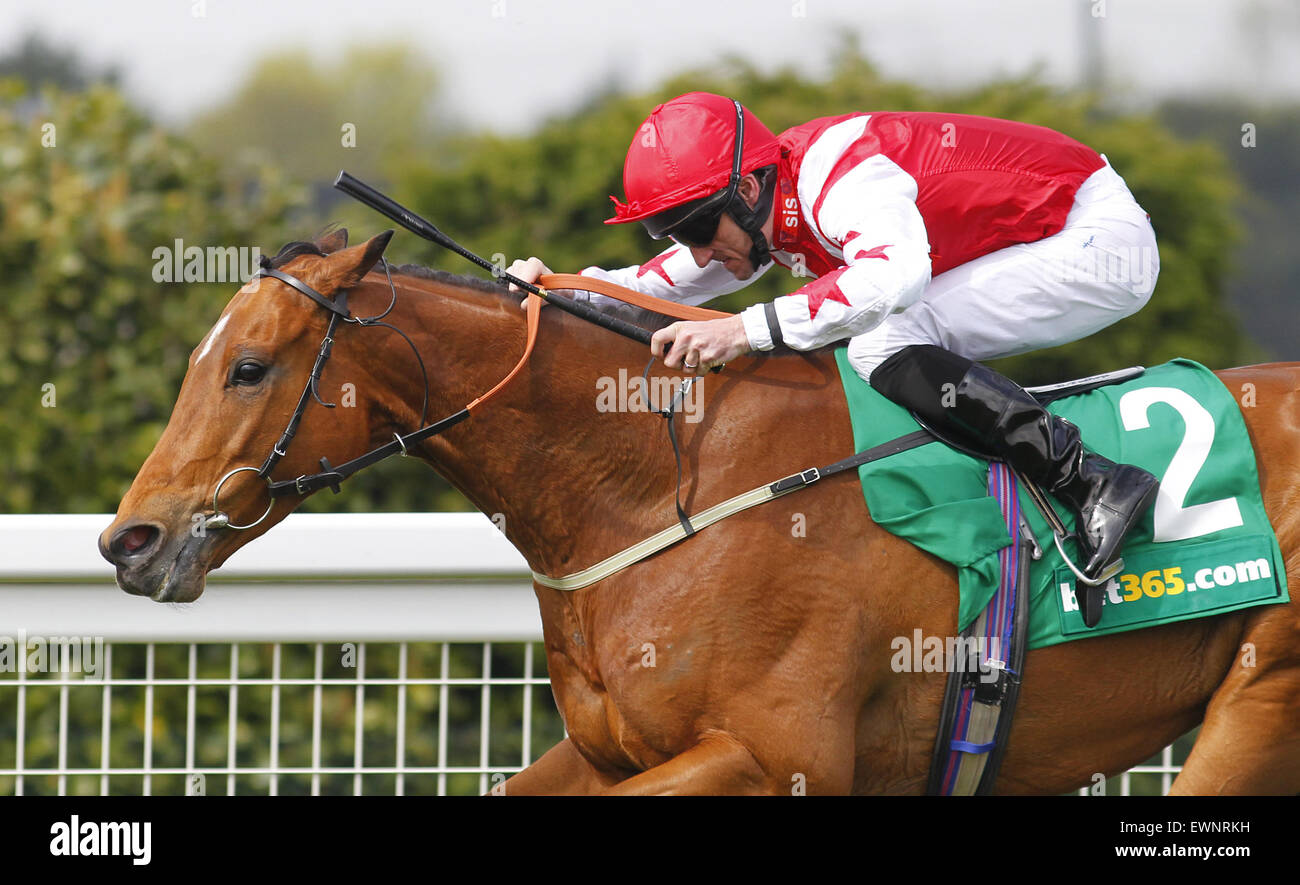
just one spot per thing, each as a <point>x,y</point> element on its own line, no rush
<point>177,573</point>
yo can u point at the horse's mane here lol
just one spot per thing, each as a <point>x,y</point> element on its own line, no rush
<point>445,276</point>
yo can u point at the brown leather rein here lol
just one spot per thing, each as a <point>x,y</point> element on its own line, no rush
<point>548,283</point>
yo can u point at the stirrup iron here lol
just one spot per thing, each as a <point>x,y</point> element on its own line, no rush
<point>1059,534</point>
<point>1111,570</point>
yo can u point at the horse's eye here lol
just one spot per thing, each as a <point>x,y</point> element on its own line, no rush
<point>249,372</point>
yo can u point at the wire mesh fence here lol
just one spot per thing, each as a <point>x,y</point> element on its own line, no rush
<point>279,719</point>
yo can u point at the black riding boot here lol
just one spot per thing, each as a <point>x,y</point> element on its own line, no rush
<point>993,414</point>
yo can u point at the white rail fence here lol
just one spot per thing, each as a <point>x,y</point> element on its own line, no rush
<point>350,653</point>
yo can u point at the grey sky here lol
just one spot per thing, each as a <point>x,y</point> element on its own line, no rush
<point>507,62</point>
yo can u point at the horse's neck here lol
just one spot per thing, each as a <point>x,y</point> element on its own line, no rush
<point>568,479</point>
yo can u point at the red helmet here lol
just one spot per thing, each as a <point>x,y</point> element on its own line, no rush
<point>686,151</point>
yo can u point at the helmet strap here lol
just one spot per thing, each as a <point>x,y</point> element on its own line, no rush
<point>751,221</point>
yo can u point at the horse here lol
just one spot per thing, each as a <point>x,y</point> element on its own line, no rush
<point>749,658</point>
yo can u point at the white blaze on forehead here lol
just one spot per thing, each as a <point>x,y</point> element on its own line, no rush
<point>212,337</point>
<point>249,287</point>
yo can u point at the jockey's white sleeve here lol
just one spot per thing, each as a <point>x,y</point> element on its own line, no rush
<point>870,217</point>
<point>673,275</point>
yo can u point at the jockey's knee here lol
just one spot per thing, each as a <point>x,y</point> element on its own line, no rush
<point>865,358</point>
<point>868,353</point>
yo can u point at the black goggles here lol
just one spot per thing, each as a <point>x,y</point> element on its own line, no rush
<point>697,228</point>
<point>696,223</point>
<point>699,232</point>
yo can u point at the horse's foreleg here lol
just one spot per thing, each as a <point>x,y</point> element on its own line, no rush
<point>717,765</point>
<point>560,771</point>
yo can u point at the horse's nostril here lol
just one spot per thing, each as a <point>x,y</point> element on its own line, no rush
<point>132,541</point>
<point>136,538</point>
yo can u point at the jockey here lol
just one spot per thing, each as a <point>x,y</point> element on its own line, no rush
<point>930,240</point>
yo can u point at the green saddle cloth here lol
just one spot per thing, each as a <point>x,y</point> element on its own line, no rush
<point>1206,547</point>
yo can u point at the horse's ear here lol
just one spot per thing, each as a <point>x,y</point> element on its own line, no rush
<point>351,265</point>
<point>333,241</point>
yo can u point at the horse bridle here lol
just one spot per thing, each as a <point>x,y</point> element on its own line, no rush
<point>329,475</point>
